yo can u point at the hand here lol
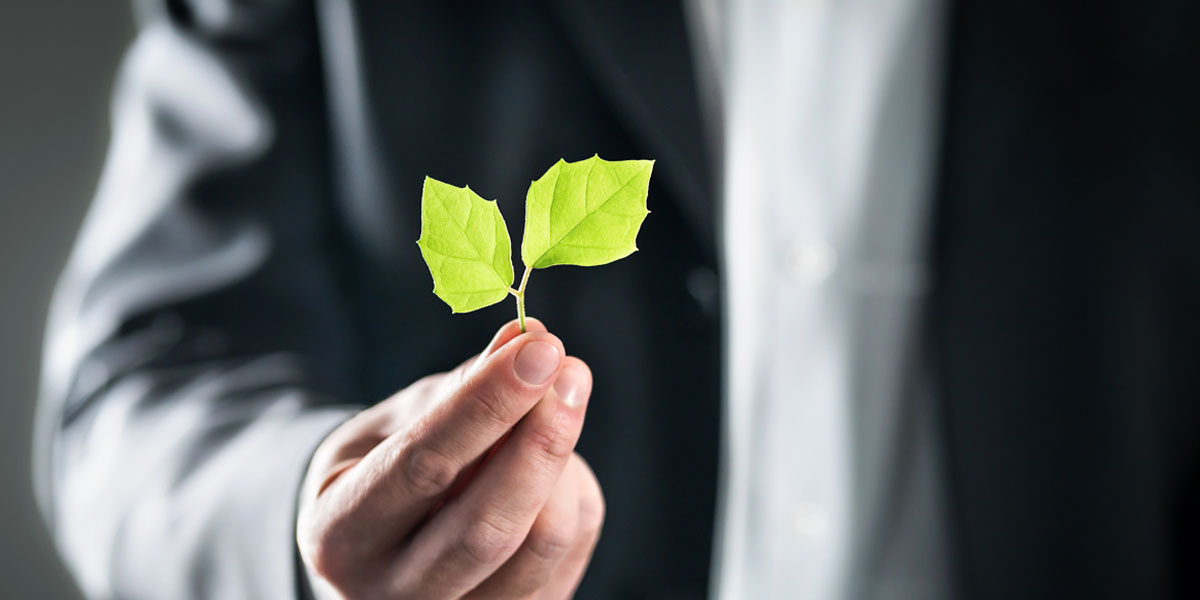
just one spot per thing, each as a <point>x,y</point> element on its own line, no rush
<point>463,485</point>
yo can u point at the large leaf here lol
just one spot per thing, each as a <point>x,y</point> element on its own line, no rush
<point>585,213</point>
<point>465,243</point>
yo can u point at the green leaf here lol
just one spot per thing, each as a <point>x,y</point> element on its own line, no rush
<point>465,243</point>
<point>585,213</point>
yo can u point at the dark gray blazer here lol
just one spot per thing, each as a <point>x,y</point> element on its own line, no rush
<point>247,277</point>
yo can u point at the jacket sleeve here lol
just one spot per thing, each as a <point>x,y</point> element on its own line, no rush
<point>198,347</point>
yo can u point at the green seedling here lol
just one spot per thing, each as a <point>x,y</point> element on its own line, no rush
<point>584,213</point>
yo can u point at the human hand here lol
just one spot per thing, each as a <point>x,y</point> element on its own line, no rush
<point>463,485</point>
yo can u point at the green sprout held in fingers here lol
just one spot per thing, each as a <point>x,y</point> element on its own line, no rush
<point>584,213</point>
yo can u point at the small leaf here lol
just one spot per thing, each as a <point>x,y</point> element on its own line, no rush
<point>585,213</point>
<point>465,243</point>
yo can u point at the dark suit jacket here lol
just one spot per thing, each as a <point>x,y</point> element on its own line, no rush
<point>248,276</point>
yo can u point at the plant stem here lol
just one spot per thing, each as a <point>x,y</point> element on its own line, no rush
<point>520,294</point>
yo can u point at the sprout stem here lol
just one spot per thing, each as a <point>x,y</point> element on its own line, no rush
<point>520,294</point>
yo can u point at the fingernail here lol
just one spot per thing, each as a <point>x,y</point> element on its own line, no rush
<point>570,386</point>
<point>536,362</point>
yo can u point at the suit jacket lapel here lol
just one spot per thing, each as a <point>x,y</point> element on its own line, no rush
<point>639,53</point>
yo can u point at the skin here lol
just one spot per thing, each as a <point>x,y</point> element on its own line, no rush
<point>463,485</point>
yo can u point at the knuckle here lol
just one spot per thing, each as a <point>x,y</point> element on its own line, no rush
<point>592,509</point>
<point>591,521</point>
<point>550,537</point>
<point>426,382</point>
<point>494,405</point>
<point>553,440</point>
<point>428,472</point>
<point>326,557</point>
<point>488,543</point>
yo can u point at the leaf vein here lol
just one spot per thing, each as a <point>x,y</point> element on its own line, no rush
<point>578,223</point>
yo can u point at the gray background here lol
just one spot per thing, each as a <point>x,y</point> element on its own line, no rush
<point>57,63</point>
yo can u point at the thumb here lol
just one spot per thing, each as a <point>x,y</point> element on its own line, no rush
<point>509,331</point>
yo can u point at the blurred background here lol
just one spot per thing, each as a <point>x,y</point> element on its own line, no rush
<point>57,62</point>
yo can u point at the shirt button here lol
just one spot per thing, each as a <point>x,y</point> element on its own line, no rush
<point>810,521</point>
<point>811,262</point>
<point>702,285</point>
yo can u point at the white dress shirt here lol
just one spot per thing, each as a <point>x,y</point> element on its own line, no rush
<point>831,486</point>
